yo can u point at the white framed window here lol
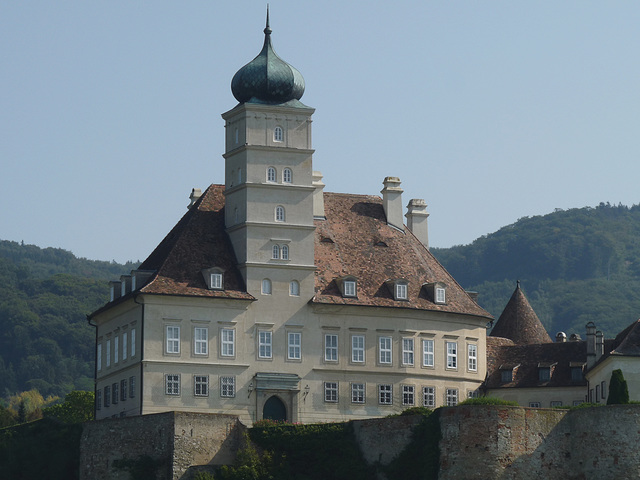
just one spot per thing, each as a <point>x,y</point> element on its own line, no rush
<point>275,252</point>
<point>173,339</point>
<point>440,295</point>
<point>99,357</point>
<point>116,349</point>
<point>132,387</point>
<point>228,387</point>
<point>216,281</point>
<point>357,392</point>
<point>330,347</point>
<point>294,346</point>
<point>201,340</point>
<point>124,346</point>
<point>227,342</point>
<point>201,385</point>
<point>108,353</point>
<point>384,350</point>
<point>172,384</point>
<point>401,291</point>
<point>264,344</point>
<point>408,395</point>
<point>294,288</point>
<point>280,213</point>
<point>535,404</point>
<point>452,354</point>
<point>284,252</point>
<point>427,353</point>
<point>133,342</point>
<point>331,392</point>
<point>287,176</point>
<point>237,136</point>
<point>407,351</point>
<point>278,134</point>
<point>385,394</point>
<point>429,397</point>
<point>239,176</point>
<point>349,288</point>
<point>123,390</point>
<point>271,174</point>
<point>472,357</point>
<point>451,397</point>
<point>357,348</point>
<point>266,287</point>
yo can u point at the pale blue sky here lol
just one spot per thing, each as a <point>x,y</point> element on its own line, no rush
<point>490,111</point>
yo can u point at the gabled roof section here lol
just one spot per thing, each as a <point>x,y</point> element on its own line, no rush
<point>627,342</point>
<point>519,322</point>
<point>198,241</point>
<point>357,224</point>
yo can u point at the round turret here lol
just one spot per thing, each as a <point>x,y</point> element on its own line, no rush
<point>267,78</point>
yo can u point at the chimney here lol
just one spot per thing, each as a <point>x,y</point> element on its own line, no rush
<point>114,286</point>
<point>591,344</point>
<point>392,202</point>
<point>561,337</point>
<point>599,345</point>
<point>196,193</point>
<point>318,195</point>
<point>125,286</point>
<point>417,220</point>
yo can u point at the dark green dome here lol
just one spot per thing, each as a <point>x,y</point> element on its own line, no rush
<point>267,78</point>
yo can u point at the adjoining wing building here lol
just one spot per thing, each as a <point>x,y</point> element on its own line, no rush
<point>271,298</point>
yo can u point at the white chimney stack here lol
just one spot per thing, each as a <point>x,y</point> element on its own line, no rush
<point>196,193</point>
<point>318,195</point>
<point>417,220</point>
<point>392,202</point>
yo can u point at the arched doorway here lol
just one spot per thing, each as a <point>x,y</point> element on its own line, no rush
<point>274,409</point>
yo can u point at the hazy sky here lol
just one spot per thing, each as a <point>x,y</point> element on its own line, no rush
<point>490,111</point>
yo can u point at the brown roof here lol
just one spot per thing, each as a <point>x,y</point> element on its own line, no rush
<point>356,240</point>
<point>353,240</point>
<point>526,359</point>
<point>627,342</point>
<point>519,322</point>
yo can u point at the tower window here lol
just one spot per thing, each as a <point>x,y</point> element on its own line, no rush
<point>287,176</point>
<point>271,174</point>
<point>294,288</point>
<point>276,252</point>
<point>279,213</point>
<point>237,136</point>
<point>239,176</point>
<point>266,286</point>
<point>278,134</point>
<point>285,252</point>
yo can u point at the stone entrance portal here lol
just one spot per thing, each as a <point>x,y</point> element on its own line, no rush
<point>274,409</point>
<point>277,396</point>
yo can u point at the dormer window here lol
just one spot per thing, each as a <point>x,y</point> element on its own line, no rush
<point>214,278</point>
<point>216,281</point>
<point>441,295</point>
<point>544,371</point>
<point>278,134</point>
<point>437,292</point>
<point>349,288</point>
<point>506,373</point>
<point>271,174</point>
<point>399,288</point>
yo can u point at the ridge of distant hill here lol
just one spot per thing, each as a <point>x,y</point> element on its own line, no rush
<point>575,266</point>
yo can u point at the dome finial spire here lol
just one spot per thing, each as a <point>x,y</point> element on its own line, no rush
<point>267,28</point>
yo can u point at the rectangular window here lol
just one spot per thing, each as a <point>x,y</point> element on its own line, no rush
<point>172,384</point>
<point>294,346</point>
<point>427,353</point>
<point>556,403</point>
<point>216,281</point>
<point>451,399</point>
<point>98,399</point>
<point>114,393</point>
<point>603,391</point>
<point>385,394</point>
<point>440,295</point>
<point>535,404</point>
<point>331,392</point>
<point>597,393</point>
<point>576,374</point>
<point>123,390</point>
<point>201,385</point>
<point>407,351</point>
<point>544,374</point>
<point>331,348</point>
<point>357,348</point>
<point>264,344</point>
<point>116,349</point>
<point>408,395</point>
<point>108,352</point>
<point>384,356</point>
<point>228,387</point>
<point>124,346</point>
<point>349,288</point>
<point>472,359</point>
<point>429,397</point>
<point>473,394</point>
<point>577,402</point>
<point>107,396</point>
<point>132,387</point>
<point>201,340</point>
<point>133,342</point>
<point>452,355</point>
<point>173,339</point>
<point>401,291</point>
<point>227,342</point>
<point>506,376</point>
<point>357,393</point>
<point>99,357</point>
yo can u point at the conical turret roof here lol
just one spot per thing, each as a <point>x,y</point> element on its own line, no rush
<point>519,322</point>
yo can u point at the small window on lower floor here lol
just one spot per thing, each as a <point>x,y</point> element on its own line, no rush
<point>577,402</point>
<point>123,390</point>
<point>172,384</point>
<point>429,397</point>
<point>535,404</point>
<point>98,399</point>
<point>227,386</point>
<point>556,403</point>
<point>201,385</point>
<point>114,393</point>
<point>357,393</point>
<point>385,394</point>
<point>451,398</point>
<point>331,392</point>
<point>132,387</point>
<point>107,396</point>
<point>408,395</point>
<point>603,391</point>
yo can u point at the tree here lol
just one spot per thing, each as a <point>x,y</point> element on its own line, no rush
<point>76,408</point>
<point>618,390</point>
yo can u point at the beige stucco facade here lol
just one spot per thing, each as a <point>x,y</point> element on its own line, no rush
<point>542,397</point>
<point>600,376</point>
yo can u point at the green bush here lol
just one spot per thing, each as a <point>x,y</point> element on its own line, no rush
<point>488,401</point>
<point>618,390</point>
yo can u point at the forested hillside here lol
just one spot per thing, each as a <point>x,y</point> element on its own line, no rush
<point>575,266</point>
<point>45,294</point>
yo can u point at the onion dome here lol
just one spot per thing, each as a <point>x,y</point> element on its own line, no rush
<point>267,78</point>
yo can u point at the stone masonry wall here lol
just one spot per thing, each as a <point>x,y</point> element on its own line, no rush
<point>382,439</point>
